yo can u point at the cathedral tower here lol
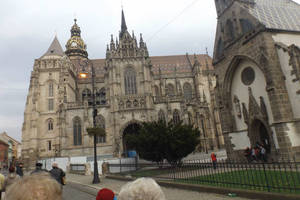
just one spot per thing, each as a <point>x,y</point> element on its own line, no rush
<point>42,128</point>
<point>75,46</point>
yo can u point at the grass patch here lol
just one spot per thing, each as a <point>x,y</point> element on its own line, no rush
<point>269,180</point>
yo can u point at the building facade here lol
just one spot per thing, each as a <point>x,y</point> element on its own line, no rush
<point>257,62</point>
<point>3,153</point>
<point>130,87</point>
<point>13,150</point>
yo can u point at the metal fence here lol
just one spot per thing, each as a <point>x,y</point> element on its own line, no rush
<point>283,177</point>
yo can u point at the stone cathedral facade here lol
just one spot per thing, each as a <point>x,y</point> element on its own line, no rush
<point>130,87</point>
<point>257,62</point>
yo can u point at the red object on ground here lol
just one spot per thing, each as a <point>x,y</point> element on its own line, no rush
<point>105,194</point>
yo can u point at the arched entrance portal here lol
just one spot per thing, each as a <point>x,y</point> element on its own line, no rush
<point>260,135</point>
<point>132,129</point>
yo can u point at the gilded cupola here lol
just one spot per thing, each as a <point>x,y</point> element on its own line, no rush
<point>75,45</point>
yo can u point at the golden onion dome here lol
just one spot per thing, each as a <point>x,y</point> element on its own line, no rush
<point>75,45</point>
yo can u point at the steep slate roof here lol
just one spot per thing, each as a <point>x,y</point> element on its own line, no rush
<point>275,14</point>
<point>55,49</point>
<point>167,64</point>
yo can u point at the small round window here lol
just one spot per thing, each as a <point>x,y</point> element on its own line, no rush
<point>248,76</point>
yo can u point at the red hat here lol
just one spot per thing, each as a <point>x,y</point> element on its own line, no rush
<point>105,194</point>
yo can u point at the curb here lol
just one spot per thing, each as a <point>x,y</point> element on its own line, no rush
<point>93,190</point>
<point>218,190</point>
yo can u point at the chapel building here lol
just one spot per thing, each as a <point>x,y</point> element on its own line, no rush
<point>257,63</point>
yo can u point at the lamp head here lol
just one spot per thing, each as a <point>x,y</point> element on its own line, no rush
<point>83,75</point>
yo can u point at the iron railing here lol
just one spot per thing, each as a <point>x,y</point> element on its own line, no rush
<point>282,177</point>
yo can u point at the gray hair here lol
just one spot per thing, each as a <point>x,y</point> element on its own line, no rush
<point>39,186</point>
<point>141,189</point>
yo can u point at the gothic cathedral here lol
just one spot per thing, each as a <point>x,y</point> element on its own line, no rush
<point>130,87</point>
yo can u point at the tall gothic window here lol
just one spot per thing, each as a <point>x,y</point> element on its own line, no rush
<point>102,96</point>
<point>50,124</point>
<point>187,91</point>
<point>77,135</point>
<point>229,30</point>
<point>100,122</point>
<point>161,116</point>
<point>176,117</point>
<point>130,81</point>
<point>50,89</point>
<point>170,90</point>
<point>87,95</point>
<point>50,104</point>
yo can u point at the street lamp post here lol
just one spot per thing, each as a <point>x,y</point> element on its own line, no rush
<point>84,75</point>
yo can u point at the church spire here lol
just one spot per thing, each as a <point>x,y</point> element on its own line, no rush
<point>123,25</point>
<point>54,49</point>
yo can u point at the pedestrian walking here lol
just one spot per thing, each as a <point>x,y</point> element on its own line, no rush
<point>214,160</point>
<point>57,173</point>
<point>263,154</point>
<point>105,194</point>
<point>253,154</point>
<point>19,170</point>
<point>38,168</point>
<point>2,180</point>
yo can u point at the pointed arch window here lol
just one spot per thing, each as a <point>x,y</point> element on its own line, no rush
<point>246,25</point>
<point>170,90</point>
<point>50,124</point>
<point>130,81</point>
<point>176,116</point>
<point>156,89</point>
<point>187,91</point>
<point>77,135</point>
<point>100,122</point>
<point>161,116</point>
<point>50,94</point>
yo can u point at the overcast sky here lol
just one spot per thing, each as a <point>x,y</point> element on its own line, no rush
<point>27,27</point>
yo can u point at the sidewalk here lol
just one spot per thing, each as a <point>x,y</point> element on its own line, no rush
<point>171,193</point>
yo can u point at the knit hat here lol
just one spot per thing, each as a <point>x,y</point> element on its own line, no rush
<point>105,194</point>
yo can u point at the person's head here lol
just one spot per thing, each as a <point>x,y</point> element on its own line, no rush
<point>38,165</point>
<point>11,169</point>
<point>37,186</point>
<point>54,165</point>
<point>142,188</point>
<point>105,194</point>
